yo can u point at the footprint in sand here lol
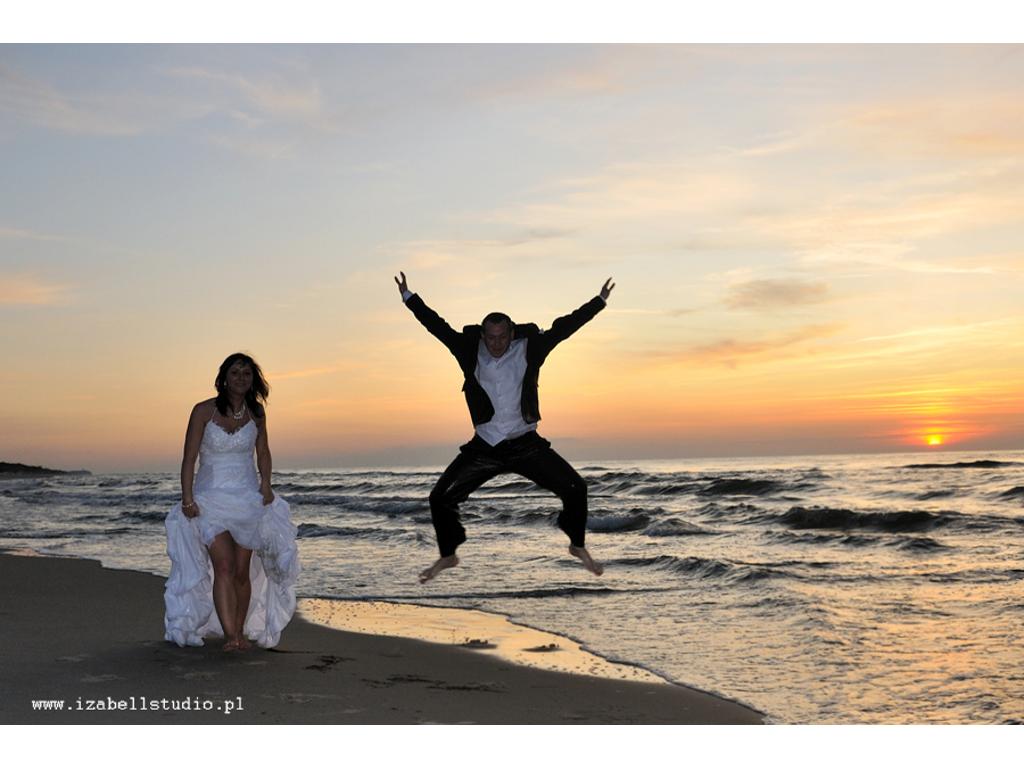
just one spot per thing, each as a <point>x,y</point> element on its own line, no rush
<point>543,648</point>
<point>482,687</point>
<point>326,662</point>
<point>305,698</point>
<point>478,644</point>
<point>199,676</point>
<point>100,678</point>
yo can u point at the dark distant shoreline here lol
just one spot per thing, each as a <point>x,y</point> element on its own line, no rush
<point>8,469</point>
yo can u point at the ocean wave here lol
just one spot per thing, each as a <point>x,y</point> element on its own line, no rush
<point>68,533</point>
<point>976,576</point>
<point>634,475</point>
<point>702,567</point>
<point>1017,492</point>
<point>673,526</point>
<point>528,517</point>
<point>747,512</point>
<point>935,495</point>
<point>10,483</point>
<point>826,539</point>
<point>313,487</point>
<point>611,488</point>
<point>815,473</point>
<point>525,593</point>
<point>146,515</point>
<point>739,486</point>
<point>314,531</point>
<point>128,482</point>
<point>512,486</point>
<point>827,517</point>
<point>989,523</point>
<point>49,497</point>
<point>981,464</point>
<point>388,506</point>
<point>665,489</point>
<point>342,475</point>
<point>916,544</point>
<point>634,520</point>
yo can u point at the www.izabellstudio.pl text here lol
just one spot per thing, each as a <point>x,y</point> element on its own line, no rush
<point>140,704</point>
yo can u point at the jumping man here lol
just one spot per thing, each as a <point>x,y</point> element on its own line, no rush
<point>501,362</point>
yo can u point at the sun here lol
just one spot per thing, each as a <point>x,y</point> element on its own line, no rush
<point>933,439</point>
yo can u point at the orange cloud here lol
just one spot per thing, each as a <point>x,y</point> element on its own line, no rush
<point>730,352</point>
<point>29,290</point>
<point>775,294</point>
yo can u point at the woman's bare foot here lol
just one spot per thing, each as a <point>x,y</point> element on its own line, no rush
<point>588,562</point>
<point>231,646</point>
<point>439,565</point>
<point>244,644</point>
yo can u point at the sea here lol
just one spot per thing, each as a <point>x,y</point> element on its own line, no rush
<point>879,588</point>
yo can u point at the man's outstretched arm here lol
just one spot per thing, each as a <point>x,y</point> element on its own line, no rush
<point>565,326</point>
<point>430,320</point>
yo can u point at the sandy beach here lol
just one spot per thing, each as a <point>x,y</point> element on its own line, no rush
<point>92,638</point>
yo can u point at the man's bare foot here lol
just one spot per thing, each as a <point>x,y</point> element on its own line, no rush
<point>588,562</point>
<point>442,562</point>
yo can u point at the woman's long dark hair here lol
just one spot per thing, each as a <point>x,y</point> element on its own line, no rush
<point>257,394</point>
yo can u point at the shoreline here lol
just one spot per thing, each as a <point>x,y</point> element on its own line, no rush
<point>111,650</point>
<point>485,632</point>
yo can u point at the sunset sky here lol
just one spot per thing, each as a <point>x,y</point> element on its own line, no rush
<point>817,249</point>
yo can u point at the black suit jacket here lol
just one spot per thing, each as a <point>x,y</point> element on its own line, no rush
<point>465,344</point>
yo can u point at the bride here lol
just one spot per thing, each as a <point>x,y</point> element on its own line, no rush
<point>226,515</point>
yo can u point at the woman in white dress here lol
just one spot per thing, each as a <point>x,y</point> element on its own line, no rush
<point>234,561</point>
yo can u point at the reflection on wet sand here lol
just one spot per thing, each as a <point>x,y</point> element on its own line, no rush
<point>483,632</point>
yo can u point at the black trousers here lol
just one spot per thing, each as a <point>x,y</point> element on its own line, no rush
<point>529,455</point>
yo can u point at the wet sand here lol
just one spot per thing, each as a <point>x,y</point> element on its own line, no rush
<point>92,638</point>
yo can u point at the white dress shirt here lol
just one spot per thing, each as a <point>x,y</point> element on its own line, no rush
<point>502,380</point>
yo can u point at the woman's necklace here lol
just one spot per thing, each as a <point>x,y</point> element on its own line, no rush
<point>240,413</point>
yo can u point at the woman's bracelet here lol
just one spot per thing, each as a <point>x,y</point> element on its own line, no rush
<point>188,504</point>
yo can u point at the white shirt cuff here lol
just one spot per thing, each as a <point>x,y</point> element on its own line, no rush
<point>406,294</point>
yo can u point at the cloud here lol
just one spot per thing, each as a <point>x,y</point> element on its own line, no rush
<point>775,294</point>
<point>773,146</point>
<point>539,234</point>
<point>29,290</point>
<point>730,352</point>
<point>592,71</point>
<point>87,113</point>
<point>547,243</point>
<point>952,124</point>
<point>271,97</point>
<point>305,373</point>
<point>613,310</point>
<point>266,149</point>
<point>27,234</point>
<point>998,330</point>
<point>132,110</point>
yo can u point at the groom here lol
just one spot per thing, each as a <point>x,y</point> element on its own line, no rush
<point>501,362</point>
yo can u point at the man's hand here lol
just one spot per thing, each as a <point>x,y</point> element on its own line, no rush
<point>606,289</point>
<point>402,285</point>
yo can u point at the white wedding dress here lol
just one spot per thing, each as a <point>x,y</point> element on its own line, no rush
<point>227,492</point>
